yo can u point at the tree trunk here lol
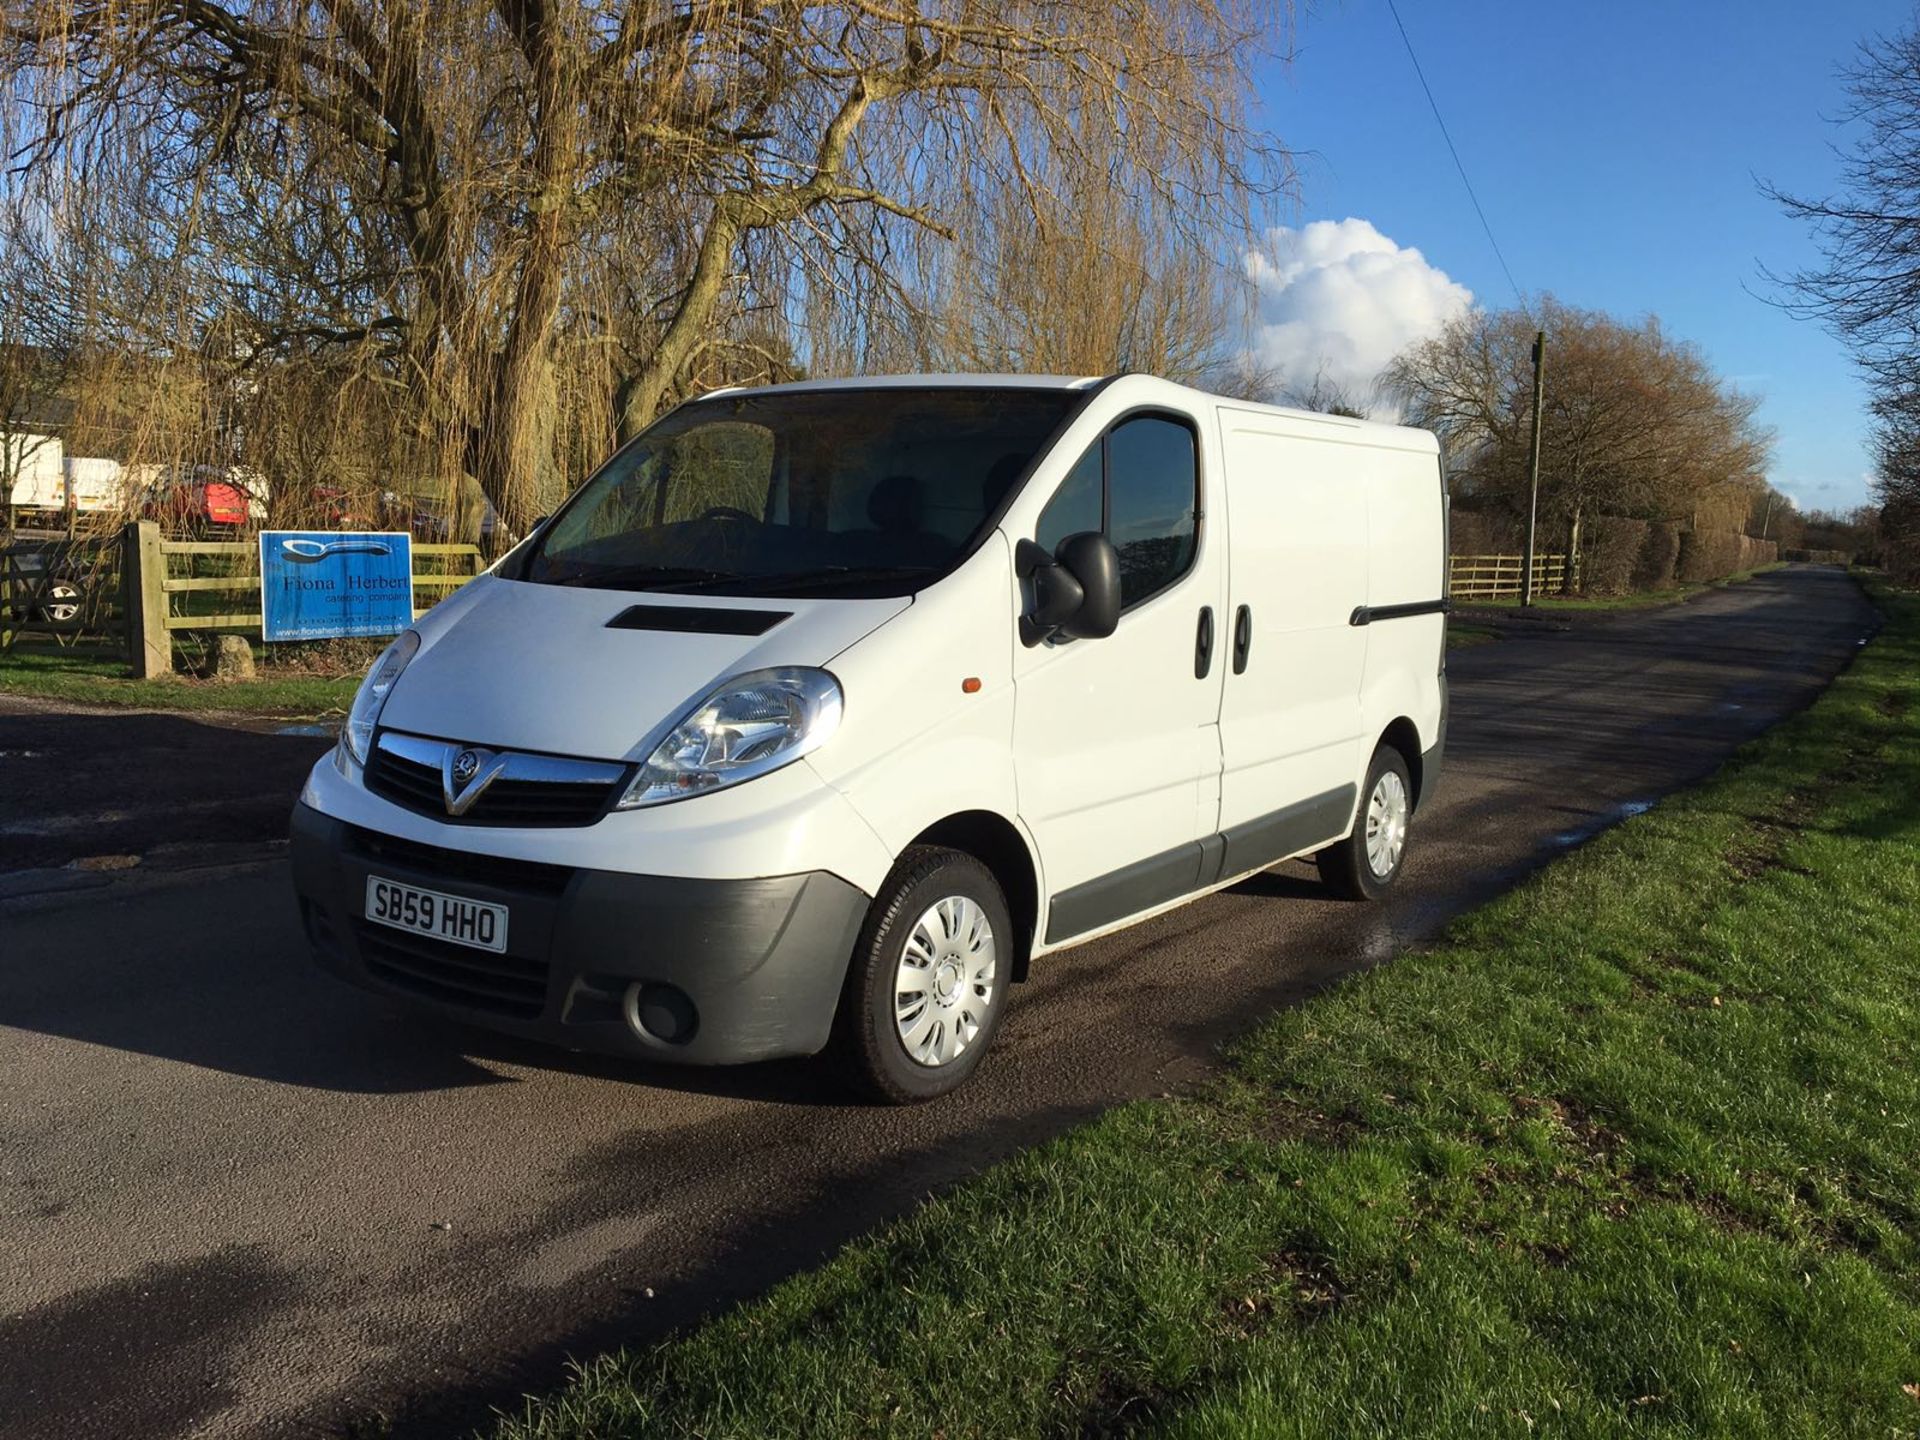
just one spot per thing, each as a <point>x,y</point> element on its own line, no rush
<point>1567,585</point>
<point>643,393</point>
<point>515,450</point>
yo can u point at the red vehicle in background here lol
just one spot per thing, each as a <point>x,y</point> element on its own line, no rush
<point>197,505</point>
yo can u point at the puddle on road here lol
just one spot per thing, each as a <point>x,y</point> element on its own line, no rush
<point>21,754</point>
<point>322,732</point>
<point>1400,923</point>
<point>1580,834</point>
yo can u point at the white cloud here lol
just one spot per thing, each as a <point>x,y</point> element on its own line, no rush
<point>1339,299</point>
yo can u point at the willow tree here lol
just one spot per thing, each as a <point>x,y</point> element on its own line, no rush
<point>478,201</point>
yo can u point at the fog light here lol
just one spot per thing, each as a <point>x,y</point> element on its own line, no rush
<point>661,1012</point>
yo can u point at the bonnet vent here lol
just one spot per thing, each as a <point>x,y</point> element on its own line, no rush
<point>698,619</point>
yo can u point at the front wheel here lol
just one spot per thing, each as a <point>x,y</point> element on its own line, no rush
<point>1365,864</point>
<point>928,982</point>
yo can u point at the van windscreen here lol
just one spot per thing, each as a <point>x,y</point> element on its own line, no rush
<point>843,491</point>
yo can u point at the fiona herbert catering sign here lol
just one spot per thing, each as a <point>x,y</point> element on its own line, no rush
<point>319,584</point>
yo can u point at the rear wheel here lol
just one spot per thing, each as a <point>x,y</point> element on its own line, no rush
<point>928,981</point>
<point>1365,864</point>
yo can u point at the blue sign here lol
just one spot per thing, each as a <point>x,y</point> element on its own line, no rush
<point>316,584</point>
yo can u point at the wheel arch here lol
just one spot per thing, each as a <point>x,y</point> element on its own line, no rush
<point>1403,736</point>
<point>997,843</point>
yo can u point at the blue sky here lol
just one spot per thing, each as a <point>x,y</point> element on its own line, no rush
<point>1616,150</point>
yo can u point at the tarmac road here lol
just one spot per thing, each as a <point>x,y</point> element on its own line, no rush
<point>239,1199</point>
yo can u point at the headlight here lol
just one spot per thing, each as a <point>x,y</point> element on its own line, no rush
<point>749,725</point>
<point>357,733</point>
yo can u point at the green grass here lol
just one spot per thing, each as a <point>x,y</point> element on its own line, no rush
<point>90,680</point>
<point>1632,1151</point>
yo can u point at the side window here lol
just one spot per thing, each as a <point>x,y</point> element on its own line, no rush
<point>1152,493</point>
<point>1078,505</point>
<point>1144,500</point>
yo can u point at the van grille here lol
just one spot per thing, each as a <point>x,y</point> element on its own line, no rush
<point>533,791</point>
<point>495,871</point>
<point>508,985</point>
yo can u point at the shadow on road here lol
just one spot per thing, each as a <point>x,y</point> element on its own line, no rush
<point>74,785</point>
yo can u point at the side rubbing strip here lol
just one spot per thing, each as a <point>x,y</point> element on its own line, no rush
<point>1367,614</point>
<point>1198,864</point>
<point>1287,832</point>
<point>697,619</point>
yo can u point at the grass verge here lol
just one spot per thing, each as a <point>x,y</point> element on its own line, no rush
<point>1631,1151</point>
<point>91,680</point>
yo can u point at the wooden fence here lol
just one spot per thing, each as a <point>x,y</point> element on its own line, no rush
<point>202,585</point>
<point>148,588</point>
<point>1497,577</point>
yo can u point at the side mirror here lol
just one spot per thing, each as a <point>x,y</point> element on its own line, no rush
<point>1076,591</point>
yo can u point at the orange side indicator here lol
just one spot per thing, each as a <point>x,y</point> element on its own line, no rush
<point>970,685</point>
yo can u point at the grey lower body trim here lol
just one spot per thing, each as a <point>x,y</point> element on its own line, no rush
<point>1136,887</point>
<point>1431,760</point>
<point>760,961</point>
<point>1198,864</point>
<point>1311,823</point>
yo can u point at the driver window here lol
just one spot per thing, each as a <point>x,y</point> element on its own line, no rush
<point>1078,505</point>
<point>1140,487</point>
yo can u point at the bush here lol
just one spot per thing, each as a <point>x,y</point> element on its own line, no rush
<point>1715,554</point>
<point>1611,555</point>
<point>1655,567</point>
<point>1709,555</point>
<point>1485,532</point>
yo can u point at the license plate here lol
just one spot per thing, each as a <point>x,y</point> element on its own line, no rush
<point>445,917</point>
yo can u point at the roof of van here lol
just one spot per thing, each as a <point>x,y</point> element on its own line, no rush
<point>904,382</point>
<point>1372,432</point>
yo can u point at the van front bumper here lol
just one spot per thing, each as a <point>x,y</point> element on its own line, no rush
<point>706,972</point>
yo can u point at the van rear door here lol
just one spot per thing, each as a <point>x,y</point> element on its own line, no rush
<point>1290,725</point>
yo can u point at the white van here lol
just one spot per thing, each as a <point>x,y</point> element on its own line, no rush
<point>823,710</point>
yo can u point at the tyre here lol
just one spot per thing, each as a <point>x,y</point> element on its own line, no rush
<point>1364,865</point>
<point>928,980</point>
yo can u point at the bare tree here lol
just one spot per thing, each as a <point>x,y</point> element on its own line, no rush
<point>1328,396</point>
<point>492,204</point>
<point>1867,288</point>
<point>41,320</point>
<point>1634,423</point>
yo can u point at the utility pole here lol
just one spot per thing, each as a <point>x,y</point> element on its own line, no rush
<point>1533,468</point>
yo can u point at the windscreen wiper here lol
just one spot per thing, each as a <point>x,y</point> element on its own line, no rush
<point>648,577</point>
<point>820,576</point>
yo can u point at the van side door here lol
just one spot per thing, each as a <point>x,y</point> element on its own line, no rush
<point>1116,750</point>
<point>1290,716</point>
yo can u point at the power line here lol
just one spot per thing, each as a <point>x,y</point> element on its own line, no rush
<point>1453,150</point>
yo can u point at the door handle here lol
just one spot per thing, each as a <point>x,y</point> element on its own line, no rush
<point>1203,644</point>
<point>1242,638</point>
